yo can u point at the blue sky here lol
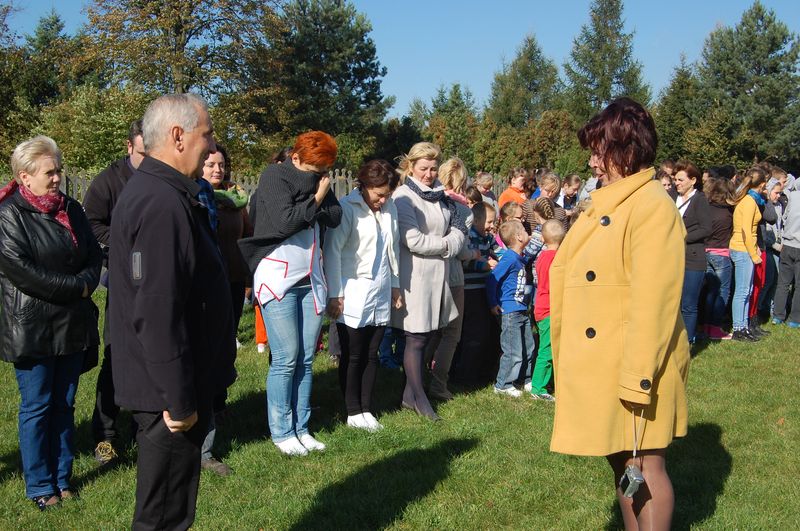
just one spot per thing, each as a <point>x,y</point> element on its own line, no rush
<point>430,43</point>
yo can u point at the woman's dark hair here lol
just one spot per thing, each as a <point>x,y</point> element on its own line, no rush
<point>691,170</point>
<point>375,173</point>
<point>623,135</point>
<point>473,194</point>
<point>226,175</point>
<point>282,155</point>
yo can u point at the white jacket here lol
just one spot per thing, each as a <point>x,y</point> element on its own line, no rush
<point>350,248</point>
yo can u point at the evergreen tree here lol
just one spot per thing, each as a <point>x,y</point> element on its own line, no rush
<point>601,65</point>
<point>329,66</point>
<point>525,88</point>
<point>452,124</point>
<point>677,111</point>
<point>751,72</point>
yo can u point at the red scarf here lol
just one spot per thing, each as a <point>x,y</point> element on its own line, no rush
<point>54,205</point>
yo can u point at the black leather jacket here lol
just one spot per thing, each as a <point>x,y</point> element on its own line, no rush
<point>42,277</point>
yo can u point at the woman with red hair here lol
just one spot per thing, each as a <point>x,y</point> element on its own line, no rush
<point>295,204</point>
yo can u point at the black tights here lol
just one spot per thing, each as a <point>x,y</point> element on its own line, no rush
<point>413,357</point>
<point>358,365</point>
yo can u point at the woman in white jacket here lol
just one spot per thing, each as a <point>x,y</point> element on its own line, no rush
<point>361,267</point>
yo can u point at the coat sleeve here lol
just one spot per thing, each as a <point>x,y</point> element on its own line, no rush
<point>18,264</point>
<point>329,212</point>
<point>97,204</point>
<point>158,305</point>
<point>94,259</point>
<point>657,253</point>
<point>701,228</point>
<point>395,247</point>
<point>335,240</point>
<point>410,234</point>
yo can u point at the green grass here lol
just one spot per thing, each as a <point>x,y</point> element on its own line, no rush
<point>487,465</point>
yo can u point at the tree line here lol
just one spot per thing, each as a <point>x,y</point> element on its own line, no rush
<point>273,69</point>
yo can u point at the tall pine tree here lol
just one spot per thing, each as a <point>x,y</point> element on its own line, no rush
<point>601,65</point>
<point>750,71</point>
<point>677,111</point>
<point>525,88</point>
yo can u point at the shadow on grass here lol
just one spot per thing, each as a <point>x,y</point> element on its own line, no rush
<point>377,495</point>
<point>699,466</point>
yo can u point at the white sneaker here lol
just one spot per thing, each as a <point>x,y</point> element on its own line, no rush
<point>372,422</point>
<point>357,421</point>
<point>292,446</point>
<point>261,347</point>
<point>528,387</point>
<point>311,443</point>
<point>510,391</point>
<point>238,345</point>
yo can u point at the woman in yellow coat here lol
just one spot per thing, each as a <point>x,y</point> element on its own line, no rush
<point>620,349</point>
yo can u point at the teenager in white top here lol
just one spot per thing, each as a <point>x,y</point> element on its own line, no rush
<point>361,266</point>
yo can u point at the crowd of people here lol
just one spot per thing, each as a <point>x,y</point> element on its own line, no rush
<point>583,294</point>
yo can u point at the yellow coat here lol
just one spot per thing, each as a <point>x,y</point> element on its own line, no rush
<point>616,326</point>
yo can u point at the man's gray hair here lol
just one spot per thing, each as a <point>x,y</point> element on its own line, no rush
<point>166,112</point>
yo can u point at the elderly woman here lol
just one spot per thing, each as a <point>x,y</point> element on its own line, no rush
<point>620,349</point>
<point>696,215</point>
<point>431,232</point>
<point>361,266</point>
<point>295,204</point>
<point>49,266</point>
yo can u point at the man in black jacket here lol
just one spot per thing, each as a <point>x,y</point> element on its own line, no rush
<point>170,315</point>
<point>98,203</point>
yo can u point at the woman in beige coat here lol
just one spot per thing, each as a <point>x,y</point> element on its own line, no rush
<point>431,231</point>
<point>620,350</point>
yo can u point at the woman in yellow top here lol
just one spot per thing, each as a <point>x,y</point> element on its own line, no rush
<point>620,350</point>
<point>745,254</point>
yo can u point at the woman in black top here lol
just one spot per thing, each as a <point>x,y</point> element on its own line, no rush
<point>719,269</point>
<point>693,206</point>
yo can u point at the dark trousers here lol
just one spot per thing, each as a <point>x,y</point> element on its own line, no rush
<point>237,298</point>
<point>358,365</point>
<point>788,276</point>
<point>478,354</point>
<point>105,409</point>
<point>167,471</point>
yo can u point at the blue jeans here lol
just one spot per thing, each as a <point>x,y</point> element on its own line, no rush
<point>293,328</point>
<point>743,279</point>
<point>47,421</point>
<point>692,284</point>
<point>516,340</point>
<point>718,287</point>
<point>392,338</point>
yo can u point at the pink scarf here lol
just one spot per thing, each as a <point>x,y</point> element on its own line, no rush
<point>54,205</point>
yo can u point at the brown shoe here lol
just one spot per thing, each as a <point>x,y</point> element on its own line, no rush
<point>216,466</point>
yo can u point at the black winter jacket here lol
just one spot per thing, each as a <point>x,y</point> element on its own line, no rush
<point>102,196</point>
<point>285,205</point>
<point>697,220</point>
<point>171,317</point>
<point>42,278</point>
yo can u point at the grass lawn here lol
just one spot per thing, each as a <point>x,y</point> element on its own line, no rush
<point>486,465</point>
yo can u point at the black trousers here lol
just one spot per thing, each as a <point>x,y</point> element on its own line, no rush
<point>788,277</point>
<point>105,409</point>
<point>478,354</point>
<point>358,365</point>
<point>167,471</point>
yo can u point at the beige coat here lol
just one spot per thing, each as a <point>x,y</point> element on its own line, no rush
<point>426,244</point>
<point>617,331</point>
